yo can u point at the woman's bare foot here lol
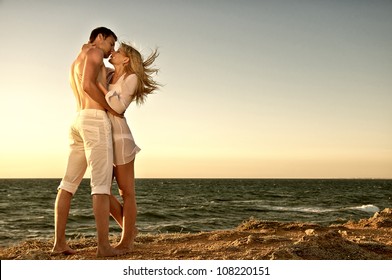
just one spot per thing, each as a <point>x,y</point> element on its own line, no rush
<point>109,252</point>
<point>65,250</point>
<point>127,247</point>
<point>124,248</point>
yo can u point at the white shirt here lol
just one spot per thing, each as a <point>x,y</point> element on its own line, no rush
<point>119,98</point>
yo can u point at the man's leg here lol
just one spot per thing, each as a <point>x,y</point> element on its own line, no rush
<point>76,168</point>
<point>61,210</point>
<point>101,207</point>
<point>99,155</point>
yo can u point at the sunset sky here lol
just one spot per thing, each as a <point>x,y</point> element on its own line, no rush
<point>252,89</point>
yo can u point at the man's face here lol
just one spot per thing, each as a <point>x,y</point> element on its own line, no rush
<point>107,45</point>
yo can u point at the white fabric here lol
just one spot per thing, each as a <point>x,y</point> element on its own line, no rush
<point>119,98</point>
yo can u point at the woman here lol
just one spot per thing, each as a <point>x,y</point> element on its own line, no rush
<point>131,80</point>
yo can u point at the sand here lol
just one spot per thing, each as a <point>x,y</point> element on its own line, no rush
<point>366,239</point>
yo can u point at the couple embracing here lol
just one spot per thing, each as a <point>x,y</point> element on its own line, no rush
<point>100,137</point>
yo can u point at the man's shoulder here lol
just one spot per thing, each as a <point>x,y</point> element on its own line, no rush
<point>94,53</point>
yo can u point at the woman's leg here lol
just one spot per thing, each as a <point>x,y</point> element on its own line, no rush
<point>116,210</point>
<point>125,177</point>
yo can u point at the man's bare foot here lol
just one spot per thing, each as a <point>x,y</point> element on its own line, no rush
<point>66,250</point>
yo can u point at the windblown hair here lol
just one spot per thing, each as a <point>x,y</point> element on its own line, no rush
<point>144,71</point>
<point>106,32</point>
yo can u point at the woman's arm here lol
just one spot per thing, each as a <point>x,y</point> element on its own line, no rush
<point>119,101</point>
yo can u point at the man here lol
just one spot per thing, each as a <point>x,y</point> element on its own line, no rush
<point>91,143</point>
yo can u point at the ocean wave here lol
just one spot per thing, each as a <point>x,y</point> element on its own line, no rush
<point>174,229</point>
<point>152,215</point>
<point>302,209</point>
<point>370,208</point>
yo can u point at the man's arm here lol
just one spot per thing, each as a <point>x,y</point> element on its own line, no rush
<point>91,70</point>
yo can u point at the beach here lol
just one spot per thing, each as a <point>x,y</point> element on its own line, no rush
<point>365,239</point>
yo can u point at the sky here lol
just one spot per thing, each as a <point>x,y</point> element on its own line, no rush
<point>252,89</point>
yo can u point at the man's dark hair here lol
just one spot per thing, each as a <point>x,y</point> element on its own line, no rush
<point>106,32</point>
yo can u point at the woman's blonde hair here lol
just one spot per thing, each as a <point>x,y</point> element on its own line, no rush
<point>143,70</point>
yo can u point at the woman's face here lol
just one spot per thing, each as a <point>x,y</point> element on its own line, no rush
<point>118,57</point>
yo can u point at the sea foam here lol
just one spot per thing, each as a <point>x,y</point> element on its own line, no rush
<point>370,208</point>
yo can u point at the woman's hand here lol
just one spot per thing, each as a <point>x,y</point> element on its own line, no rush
<point>114,113</point>
<point>87,46</point>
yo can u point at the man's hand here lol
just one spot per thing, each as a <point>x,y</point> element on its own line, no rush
<point>105,91</point>
<point>102,88</point>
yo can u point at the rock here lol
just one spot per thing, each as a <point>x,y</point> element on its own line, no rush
<point>343,233</point>
<point>381,219</point>
<point>309,232</point>
<point>325,246</point>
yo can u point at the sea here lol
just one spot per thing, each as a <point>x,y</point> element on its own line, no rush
<point>193,205</point>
